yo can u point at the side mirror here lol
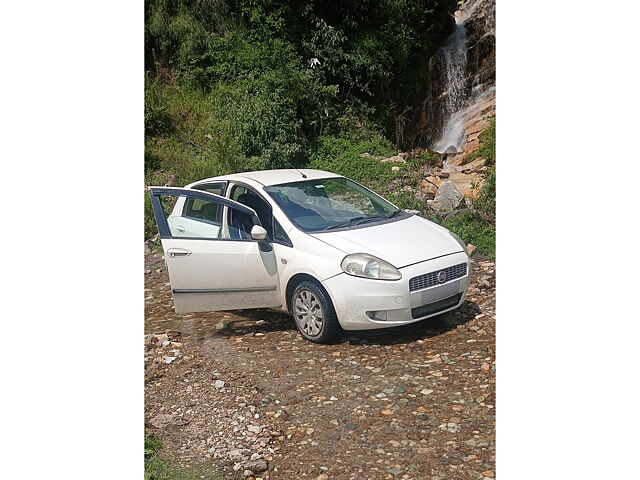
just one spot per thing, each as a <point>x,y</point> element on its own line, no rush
<point>258,233</point>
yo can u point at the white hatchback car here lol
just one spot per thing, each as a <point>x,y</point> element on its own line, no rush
<point>330,251</point>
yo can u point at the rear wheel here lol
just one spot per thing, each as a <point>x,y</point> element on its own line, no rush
<point>313,313</point>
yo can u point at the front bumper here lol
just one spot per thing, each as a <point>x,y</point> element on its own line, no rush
<point>364,304</point>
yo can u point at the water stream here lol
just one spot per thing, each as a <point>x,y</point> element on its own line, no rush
<point>459,101</point>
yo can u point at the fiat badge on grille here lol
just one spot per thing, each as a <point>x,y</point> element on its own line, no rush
<point>442,276</point>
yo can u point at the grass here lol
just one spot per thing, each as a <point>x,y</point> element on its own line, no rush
<point>157,467</point>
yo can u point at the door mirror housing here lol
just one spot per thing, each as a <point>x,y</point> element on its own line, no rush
<point>258,233</point>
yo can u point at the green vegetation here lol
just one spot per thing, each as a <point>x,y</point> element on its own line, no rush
<point>487,148</point>
<point>475,230</point>
<point>344,155</point>
<point>405,200</point>
<point>424,158</point>
<point>157,468</point>
<point>485,204</point>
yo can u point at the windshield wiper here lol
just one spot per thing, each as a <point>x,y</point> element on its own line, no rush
<point>360,220</point>
<point>372,219</point>
<point>345,223</point>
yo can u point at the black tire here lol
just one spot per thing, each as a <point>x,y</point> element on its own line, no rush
<point>307,324</point>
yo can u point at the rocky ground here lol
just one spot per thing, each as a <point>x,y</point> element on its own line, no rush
<point>245,391</point>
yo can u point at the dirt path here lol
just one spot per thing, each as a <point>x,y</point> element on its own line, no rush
<point>415,402</point>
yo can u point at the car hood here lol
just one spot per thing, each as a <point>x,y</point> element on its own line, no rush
<point>403,242</point>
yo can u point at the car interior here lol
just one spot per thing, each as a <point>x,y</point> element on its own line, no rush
<point>240,222</point>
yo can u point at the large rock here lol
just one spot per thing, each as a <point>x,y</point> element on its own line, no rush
<point>456,160</point>
<point>447,198</point>
<point>475,166</point>
<point>468,184</point>
<point>429,185</point>
<point>168,420</point>
<point>257,466</point>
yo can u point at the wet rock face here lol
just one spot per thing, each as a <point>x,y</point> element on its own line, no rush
<point>477,19</point>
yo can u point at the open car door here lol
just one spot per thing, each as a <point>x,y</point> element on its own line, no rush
<point>214,264</point>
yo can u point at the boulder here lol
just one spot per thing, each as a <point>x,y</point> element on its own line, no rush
<point>429,186</point>
<point>451,149</point>
<point>448,168</point>
<point>447,197</point>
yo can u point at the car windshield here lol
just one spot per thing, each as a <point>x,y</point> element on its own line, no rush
<point>330,203</point>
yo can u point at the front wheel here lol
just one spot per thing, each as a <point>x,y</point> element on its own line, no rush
<point>313,313</point>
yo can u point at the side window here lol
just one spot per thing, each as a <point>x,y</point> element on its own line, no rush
<point>252,199</point>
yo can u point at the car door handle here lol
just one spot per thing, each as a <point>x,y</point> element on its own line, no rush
<point>178,252</point>
<point>180,229</point>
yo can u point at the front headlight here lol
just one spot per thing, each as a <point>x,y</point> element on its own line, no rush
<point>368,266</point>
<point>459,240</point>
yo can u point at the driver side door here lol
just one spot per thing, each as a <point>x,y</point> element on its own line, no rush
<point>212,265</point>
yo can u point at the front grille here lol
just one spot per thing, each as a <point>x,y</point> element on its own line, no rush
<point>430,279</point>
<point>436,307</point>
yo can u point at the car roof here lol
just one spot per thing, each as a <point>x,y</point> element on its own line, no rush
<point>274,177</point>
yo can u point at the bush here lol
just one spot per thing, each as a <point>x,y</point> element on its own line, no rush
<point>156,119</point>
<point>485,204</point>
<point>343,155</point>
<point>475,230</point>
<point>150,227</point>
<point>424,158</point>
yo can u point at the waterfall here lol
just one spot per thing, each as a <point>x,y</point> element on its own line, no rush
<point>459,102</point>
<point>454,55</point>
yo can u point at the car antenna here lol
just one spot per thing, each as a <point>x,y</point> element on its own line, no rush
<point>303,175</point>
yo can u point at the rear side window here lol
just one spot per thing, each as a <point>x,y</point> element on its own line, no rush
<point>201,210</point>
<point>197,209</point>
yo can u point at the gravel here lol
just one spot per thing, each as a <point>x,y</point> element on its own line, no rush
<point>414,402</point>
